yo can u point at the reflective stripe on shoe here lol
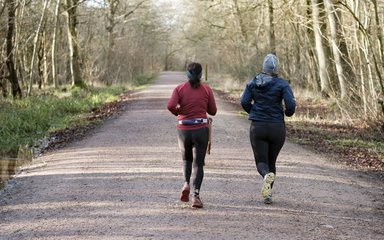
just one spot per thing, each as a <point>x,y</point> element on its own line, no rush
<point>266,190</point>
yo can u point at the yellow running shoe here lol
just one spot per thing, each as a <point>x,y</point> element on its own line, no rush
<point>268,199</point>
<point>266,190</point>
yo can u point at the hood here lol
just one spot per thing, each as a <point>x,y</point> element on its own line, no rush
<point>263,81</point>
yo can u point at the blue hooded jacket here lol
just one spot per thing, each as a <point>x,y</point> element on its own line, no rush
<point>263,97</point>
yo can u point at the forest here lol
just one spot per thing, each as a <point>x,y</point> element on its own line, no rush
<point>89,150</point>
<point>330,51</point>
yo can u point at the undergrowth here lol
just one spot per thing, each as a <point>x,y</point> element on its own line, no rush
<point>25,121</point>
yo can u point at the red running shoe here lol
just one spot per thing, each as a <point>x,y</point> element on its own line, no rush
<point>185,193</point>
<point>196,202</point>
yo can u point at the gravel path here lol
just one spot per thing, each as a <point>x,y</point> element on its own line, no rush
<point>123,182</point>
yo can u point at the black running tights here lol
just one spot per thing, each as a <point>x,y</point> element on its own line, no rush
<point>267,139</point>
<point>193,145</point>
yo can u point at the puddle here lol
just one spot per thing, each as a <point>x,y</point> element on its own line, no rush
<point>10,162</point>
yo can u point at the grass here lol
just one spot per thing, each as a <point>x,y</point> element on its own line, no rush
<point>25,121</point>
<point>373,146</point>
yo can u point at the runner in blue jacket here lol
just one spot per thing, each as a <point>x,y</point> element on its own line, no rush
<point>263,99</point>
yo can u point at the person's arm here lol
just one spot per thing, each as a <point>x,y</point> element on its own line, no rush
<point>173,103</point>
<point>289,101</point>
<point>212,109</point>
<point>246,99</point>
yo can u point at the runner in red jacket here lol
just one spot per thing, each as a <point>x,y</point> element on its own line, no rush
<point>190,102</point>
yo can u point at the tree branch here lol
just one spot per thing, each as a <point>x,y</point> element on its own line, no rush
<point>213,25</point>
<point>361,26</point>
<point>2,8</point>
<point>132,11</point>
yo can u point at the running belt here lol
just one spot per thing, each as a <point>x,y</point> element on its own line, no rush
<point>194,121</point>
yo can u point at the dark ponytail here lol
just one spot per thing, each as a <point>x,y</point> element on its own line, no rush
<point>194,73</point>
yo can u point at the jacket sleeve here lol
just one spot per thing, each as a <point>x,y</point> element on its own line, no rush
<point>173,103</point>
<point>212,108</point>
<point>246,99</point>
<point>289,101</point>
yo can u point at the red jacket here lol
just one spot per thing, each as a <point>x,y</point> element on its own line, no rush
<point>189,103</point>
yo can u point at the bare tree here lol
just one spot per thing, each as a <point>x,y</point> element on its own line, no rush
<point>54,44</point>
<point>333,26</point>
<point>74,59</point>
<point>272,38</point>
<point>16,91</point>
<point>379,63</point>
<point>112,7</point>
<point>320,51</point>
<point>35,45</point>
<point>118,14</point>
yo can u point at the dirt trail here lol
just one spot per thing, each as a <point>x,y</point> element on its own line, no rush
<point>123,182</point>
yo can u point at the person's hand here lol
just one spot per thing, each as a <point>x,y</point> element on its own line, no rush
<point>177,110</point>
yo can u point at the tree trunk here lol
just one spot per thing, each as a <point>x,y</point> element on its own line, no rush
<point>35,45</point>
<point>21,52</point>
<point>312,74</point>
<point>346,60</point>
<point>272,38</point>
<point>42,61</point>
<point>40,64</point>
<point>16,91</point>
<point>243,36</point>
<point>166,64</point>
<point>363,90</point>
<point>240,20</point>
<point>320,51</point>
<point>45,60</point>
<point>113,5</point>
<point>380,31</point>
<point>365,49</point>
<point>3,81</point>
<point>333,28</point>
<point>74,61</point>
<point>380,38</point>
<point>53,53</point>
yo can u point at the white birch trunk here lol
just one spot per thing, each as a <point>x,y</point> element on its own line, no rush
<point>53,52</point>
<point>320,51</point>
<point>73,43</point>
<point>35,42</point>
<point>335,49</point>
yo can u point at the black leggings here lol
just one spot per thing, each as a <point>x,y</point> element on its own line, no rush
<point>267,139</point>
<point>193,145</point>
